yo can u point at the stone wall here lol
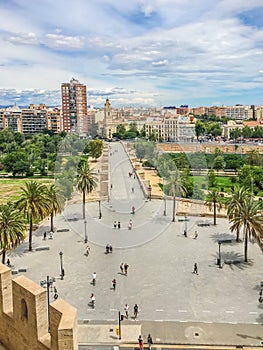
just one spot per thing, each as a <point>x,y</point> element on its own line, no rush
<point>23,317</point>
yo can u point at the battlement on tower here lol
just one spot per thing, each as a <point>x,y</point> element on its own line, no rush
<point>23,316</point>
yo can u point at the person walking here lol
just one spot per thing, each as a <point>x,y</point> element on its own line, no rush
<point>94,276</point>
<point>122,267</point>
<point>195,269</point>
<point>132,189</point>
<point>114,284</point>
<point>149,341</point>
<point>87,250</point>
<point>130,225</point>
<point>126,309</point>
<point>93,299</point>
<point>119,225</point>
<point>140,341</point>
<point>133,210</point>
<point>126,269</point>
<point>8,263</point>
<point>45,236</point>
<point>195,235</point>
<point>135,311</point>
<point>107,248</point>
<point>115,225</point>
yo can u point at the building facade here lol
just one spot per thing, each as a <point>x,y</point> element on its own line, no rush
<point>74,107</point>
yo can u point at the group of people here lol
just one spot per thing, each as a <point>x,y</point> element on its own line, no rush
<point>124,268</point>
<point>45,235</point>
<point>108,248</point>
<point>149,341</point>
<point>117,225</point>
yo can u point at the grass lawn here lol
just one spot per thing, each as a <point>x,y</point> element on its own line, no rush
<point>10,188</point>
<point>222,182</point>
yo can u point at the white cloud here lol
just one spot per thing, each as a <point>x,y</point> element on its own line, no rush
<point>193,49</point>
<point>59,41</point>
<point>160,63</point>
<point>23,38</point>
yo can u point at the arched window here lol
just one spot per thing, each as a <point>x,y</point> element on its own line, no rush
<point>24,311</point>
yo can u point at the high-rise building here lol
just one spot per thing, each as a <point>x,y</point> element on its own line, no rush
<point>74,107</point>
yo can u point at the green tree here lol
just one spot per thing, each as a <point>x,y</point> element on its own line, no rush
<point>214,129</point>
<point>33,203</point>
<point>211,178</point>
<point>213,200</point>
<point>56,202</point>
<point>248,216</point>
<point>234,202</point>
<point>199,128</point>
<point>219,163</point>
<point>86,182</point>
<point>175,188</point>
<point>94,148</point>
<point>235,133</point>
<point>17,163</point>
<point>165,165</point>
<point>12,228</point>
<point>253,158</point>
<point>247,132</point>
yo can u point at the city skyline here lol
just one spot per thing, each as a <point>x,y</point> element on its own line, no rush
<point>137,53</point>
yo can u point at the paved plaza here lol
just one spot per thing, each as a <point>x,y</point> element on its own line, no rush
<point>160,259</point>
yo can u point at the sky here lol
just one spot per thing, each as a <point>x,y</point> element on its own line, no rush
<point>135,52</point>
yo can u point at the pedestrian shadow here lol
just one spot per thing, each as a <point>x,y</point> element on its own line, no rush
<point>225,238</point>
<point>246,336</point>
<point>234,260</point>
<point>91,305</point>
<point>122,273</point>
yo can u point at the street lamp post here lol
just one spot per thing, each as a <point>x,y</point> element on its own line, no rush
<point>85,228</point>
<point>164,199</point>
<point>100,215</point>
<point>219,254</point>
<point>150,192</point>
<point>62,272</point>
<point>185,225</point>
<point>119,317</point>
<point>48,283</point>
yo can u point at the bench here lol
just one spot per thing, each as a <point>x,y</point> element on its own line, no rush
<point>202,224</point>
<point>14,272</point>
<point>42,248</point>
<point>234,261</point>
<point>63,230</point>
<point>227,240</point>
<point>72,219</point>
<point>22,269</point>
<point>183,219</point>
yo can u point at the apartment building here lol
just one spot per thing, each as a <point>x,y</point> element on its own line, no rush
<point>74,107</point>
<point>31,120</point>
<point>11,118</point>
<point>173,129</point>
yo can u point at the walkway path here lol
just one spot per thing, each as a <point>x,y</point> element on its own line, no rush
<point>160,260</point>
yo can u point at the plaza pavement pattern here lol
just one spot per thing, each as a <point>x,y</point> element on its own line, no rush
<point>160,279</point>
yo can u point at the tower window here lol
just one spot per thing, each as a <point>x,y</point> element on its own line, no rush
<point>24,311</point>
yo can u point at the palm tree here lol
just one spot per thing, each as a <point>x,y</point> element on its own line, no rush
<point>239,195</point>
<point>86,181</point>
<point>56,202</point>
<point>249,217</point>
<point>213,201</point>
<point>12,228</point>
<point>34,204</point>
<point>175,188</point>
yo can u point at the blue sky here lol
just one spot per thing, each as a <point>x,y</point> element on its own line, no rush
<point>136,52</point>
